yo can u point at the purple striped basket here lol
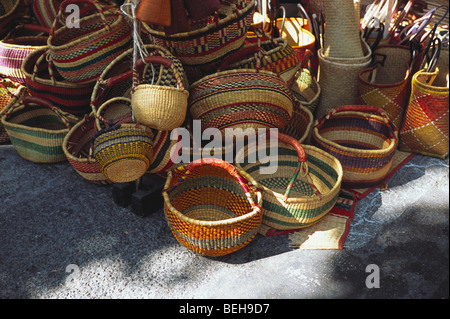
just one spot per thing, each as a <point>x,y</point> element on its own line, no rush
<point>362,138</point>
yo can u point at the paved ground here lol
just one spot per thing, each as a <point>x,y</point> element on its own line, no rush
<point>62,237</point>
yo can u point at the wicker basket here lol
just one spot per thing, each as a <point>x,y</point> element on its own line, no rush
<point>362,138</point>
<point>209,207</point>
<point>103,36</point>
<point>14,49</point>
<point>158,106</point>
<point>37,129</point>
<point>10,93</point>
<point>44,82</point>
<point>123,152</point>
<point>299,127</point>
<point>77,145</point>
<point>306,89</point>
<point>425,128</point>
<point>303,189</point>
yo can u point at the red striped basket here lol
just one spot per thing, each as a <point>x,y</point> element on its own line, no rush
<point>45,82</point>
<point>362,138</point>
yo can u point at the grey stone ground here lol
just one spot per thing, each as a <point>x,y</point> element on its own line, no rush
<point>50,219</point>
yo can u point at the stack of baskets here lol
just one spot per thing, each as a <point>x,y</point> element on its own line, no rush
<point>129,93</point>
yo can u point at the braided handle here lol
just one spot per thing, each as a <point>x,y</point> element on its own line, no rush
<point>216,163</point>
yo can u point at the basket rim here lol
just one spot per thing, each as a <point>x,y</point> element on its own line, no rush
<point>116,22</point>
<point>7,14</point>
<point>383,85</point>
<point>205,29</point>
<point>430,89</point>
<point>7,44</point>
<point>295,200</point>
<point>257,210</point>
<point>392,141</point>
<point>74,128</point>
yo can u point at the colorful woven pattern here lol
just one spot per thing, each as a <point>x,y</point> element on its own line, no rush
<point>10,93</point>
<point>76,147</point>
<point>425,128</point>
<point>387,86</point>
<point>209,208</point>
<point>123,152</point>
<point>306,89</point>
<point>241,99</point>
<point>313,193</point>
<point>81,54</point>
<point>42,82</point>
<point>299,127</point>
<point>37,132</point>
<point>363,142</point>
<point>45,11</point>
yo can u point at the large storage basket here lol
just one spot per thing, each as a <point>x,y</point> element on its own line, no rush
<point>37,129</point>
<point>304,187</point>
<point>209,207</point>
<point>362,138</point>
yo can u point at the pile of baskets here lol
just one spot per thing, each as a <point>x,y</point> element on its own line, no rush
<point>138,89</point>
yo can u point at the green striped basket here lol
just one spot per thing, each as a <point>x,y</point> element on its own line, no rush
<point>37,129</point>
<point>304,187</point>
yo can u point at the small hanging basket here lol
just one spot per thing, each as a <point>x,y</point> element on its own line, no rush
<point>362,138</point>
<point>304,187</point>
<point>37,129</point>
<point>209,207</point>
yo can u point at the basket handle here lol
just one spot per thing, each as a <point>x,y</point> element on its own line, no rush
<point>216,163</point>
<point>65,3</point>
<point>158,60</point>
<point>43,102</point>
<point>51,71</point>
<point>302,165</point>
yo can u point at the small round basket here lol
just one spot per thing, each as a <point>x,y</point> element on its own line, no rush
<point>209,207</point>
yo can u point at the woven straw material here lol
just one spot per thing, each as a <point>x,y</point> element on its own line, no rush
<point>242,98</point>
<point>10,93</point>
<point>76,146</point>
<point>163,147</point>
<point>37,132</point>
<point>299,127</point>
<point>123,152</point>
<point>363,142</point>
<point>81,54</point>
<point>304,207</point>
<point>387,86</point>
<point>45,11</point>
<point>114,111</point>
<point>338,79</point>
<point>425,128</point>
<point>279,57</point>
<point>209,212</point>
<point>204,45</point>
<point>14,51</point>
<point>7,8</point>
<point>43,82</point>
<point>342,32</point>
<point>306,89</point>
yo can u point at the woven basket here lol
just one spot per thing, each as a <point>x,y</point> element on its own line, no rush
<point>306,89</point>
<point>14,50</point>
<point>210,209</point>
<point>44,82</point>
<point>362,138</point>
<point>159,106</point>
<point>425,128</point>
<point>154,12</point>
<point>278,57</point>
<point>166,150</point>
<point>303,189</point>
<point>10,93</point>
<point>299,127</point>
<point>8,8</point>
<point>386,86</point>
<point>114,111</point>
<point>241,99</point>
<point>45,11</point>
<point>103,36</point>
<point>76,146</point>
<point>210,40</point>
<point>37,129</point>
<point>123,152</point>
